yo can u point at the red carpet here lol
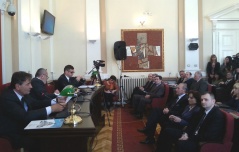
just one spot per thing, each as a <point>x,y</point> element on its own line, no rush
<point>124,135</point>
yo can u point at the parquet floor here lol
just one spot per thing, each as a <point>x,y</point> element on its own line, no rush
<point>103,140</point>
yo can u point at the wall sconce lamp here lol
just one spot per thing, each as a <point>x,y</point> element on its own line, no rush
<point>143,18</point>
<point>92,41</point>
<point>7,6</point>
<point>142,22</point>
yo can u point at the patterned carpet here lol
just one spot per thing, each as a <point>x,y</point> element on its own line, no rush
<point>121,135</point>
<point>125,137</point>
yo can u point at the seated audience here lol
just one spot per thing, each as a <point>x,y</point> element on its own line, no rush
<point>142,90</point>
<point>227,86</point>
<point>189,80</point>
<point>207,126</point>
<point>174,107</point>
<point>234,101</point>
<point>67,78</point>
<point>111,89</point>
<point>217,79</point>
<point>38,83</point>
<point>182,77</point>
<point>180,123</point>
<point>139,101</point>
<point>18,108</point>
<point>212,67</point>
<point>236,74</point>
<point>226,66</point>
<point>199,85</point>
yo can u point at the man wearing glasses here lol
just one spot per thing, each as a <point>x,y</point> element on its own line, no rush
<point>67,78</point>
<point>38,83</point>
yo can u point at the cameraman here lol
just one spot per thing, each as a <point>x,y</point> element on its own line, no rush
<point>67,78</point>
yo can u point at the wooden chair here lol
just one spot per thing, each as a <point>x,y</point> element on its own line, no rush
<point>226,145</point>
<point>4,86</point>
<point>50,88</point>
<point>161,102</point>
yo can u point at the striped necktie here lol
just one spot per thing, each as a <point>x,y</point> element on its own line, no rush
<point>200,123</point>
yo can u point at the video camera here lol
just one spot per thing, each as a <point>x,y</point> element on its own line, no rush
<point>235,61</point>
<point>99,63</point>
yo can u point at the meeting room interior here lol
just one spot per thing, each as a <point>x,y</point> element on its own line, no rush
<point>119,44</point>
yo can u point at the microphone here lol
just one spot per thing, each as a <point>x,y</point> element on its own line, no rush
<point>43,94</point>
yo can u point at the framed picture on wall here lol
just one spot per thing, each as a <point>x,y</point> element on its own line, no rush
<point>144,49</point>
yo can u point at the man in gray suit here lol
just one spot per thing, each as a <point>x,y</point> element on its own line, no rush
<point>199,85</point>
<point>139,101</point>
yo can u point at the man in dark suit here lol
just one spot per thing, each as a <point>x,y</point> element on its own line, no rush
<point>18,108</point>
<point>142,90</point>
<point>182,77</point>
<point>67,78</point>
<point>207,126</point>
<point>227,87</point>
<point>174,107</point>
<point>189,80</point>
<point>38,83</point>
<point>139,101</point>
<point>199,85</point>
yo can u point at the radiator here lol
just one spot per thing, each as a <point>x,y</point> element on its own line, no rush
<point>127,84</point>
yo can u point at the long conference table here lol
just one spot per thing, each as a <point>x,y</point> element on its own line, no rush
<point>69,138</point>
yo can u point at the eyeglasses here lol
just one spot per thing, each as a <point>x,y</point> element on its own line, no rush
<point>72,72</point>
<point>46,76</point>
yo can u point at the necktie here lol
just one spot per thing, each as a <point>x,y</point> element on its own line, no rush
<point>200,123</point>
<point>226,82</point>
<point>24,103</point>
<point>173,104</point>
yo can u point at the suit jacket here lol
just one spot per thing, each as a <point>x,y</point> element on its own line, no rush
<point>62,82</point>
<point>201,86</point>
<point>147,86</point>
<point>212,128</point>
<point>180,80</point>
<point>39,91</point>
<point>186,117</point>
<point>177,108</point>
<point>157,91</point>
<point>209,68</point>
<point>227,88</point>
<point>189,82</point>
<point>13,117</point>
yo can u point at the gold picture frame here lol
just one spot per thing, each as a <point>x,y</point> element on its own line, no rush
<point>144,49</point>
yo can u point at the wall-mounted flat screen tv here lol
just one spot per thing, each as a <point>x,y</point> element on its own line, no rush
<point>48,23</point>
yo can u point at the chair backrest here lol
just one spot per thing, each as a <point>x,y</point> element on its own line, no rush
<point>229,127</point>
<point>209,88</point>
<point>161,102</point>
<point>50,88</point>
<point>226,145</point>
<point>5,145</point>
<point>4,86</point>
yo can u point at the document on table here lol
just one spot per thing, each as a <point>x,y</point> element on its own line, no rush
<point>41,124</point>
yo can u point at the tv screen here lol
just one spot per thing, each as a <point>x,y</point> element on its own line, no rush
<point>48,23</point>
